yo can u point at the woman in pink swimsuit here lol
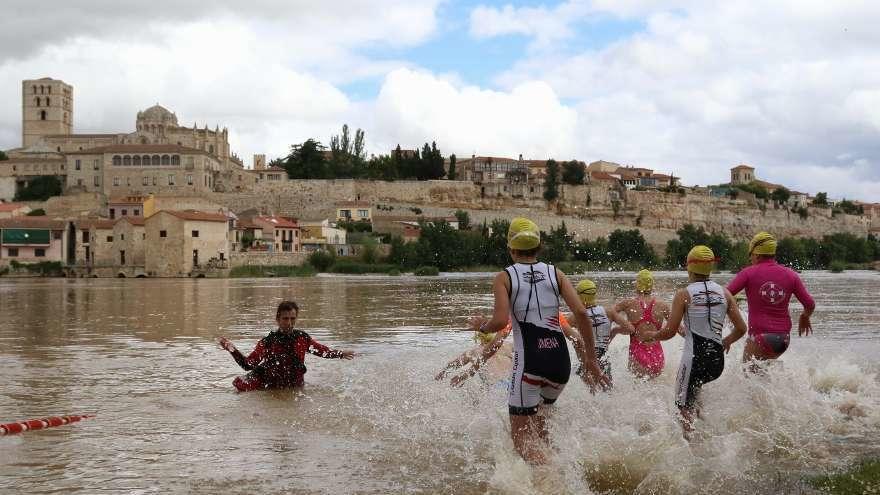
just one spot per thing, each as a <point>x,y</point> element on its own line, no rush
<point>646,314</point>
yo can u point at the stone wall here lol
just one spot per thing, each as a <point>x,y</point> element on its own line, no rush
<point>253,258</point>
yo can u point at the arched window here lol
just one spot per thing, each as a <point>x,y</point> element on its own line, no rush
<point>47,101</point>
<point>42,115</point>
<point>38,101</point>
<point>166,160</point>
<point>35,89</point>
<point>156,159</point>
<point>211,149</point>
<point>49,89</point>
<point>146,160</point>
<point>136,160</point>
<point>42,89</point>
<point>126,160</point>
<point>117,160</point>
<point>175,159</point>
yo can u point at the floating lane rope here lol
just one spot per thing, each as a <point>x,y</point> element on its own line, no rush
<point>39,424</point>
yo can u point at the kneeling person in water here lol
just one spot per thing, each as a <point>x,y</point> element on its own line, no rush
<point>277,360</point>
<point>703,305</point>
<point>601,318</point>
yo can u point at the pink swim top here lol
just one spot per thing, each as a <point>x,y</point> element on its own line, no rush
<point>649,356</point>
<point>769,287</point>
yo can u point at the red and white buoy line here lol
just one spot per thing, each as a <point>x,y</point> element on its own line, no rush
<point>39,424</point>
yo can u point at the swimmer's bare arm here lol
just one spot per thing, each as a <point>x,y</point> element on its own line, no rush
<point>593,375</point>
<point>501,313</point>
<point>805,327</point>
<point>624,326</point>
<point>739,325</point>
<point>244,362</point>
<point>574,337</point>
<point>679,304</point>
<point>488,351</point>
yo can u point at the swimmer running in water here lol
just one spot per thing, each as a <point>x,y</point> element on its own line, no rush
<point>645,313</point>
<point>277,360</point>
<point>601,318</point>
<point>527,294</point>
<point>703,306</point>
<point>769,287</point>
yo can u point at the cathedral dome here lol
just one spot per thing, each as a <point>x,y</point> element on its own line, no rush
<point>157,114</point>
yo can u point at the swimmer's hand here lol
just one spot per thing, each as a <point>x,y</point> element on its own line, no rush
<point>727,342</point>
<point>347,355</point>
<point>458,380</point>
<point>477,321</point>
<point>805,327</point>
<point>593,376</point>
<point>647,337</point>
<point>226,344</point>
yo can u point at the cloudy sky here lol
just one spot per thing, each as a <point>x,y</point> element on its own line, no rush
<point>791,87</point>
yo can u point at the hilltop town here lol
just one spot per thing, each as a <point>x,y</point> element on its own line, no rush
<point>168,200</point>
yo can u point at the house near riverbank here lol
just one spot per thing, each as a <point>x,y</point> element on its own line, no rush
<point>35,239</point>
<point>182,243</point>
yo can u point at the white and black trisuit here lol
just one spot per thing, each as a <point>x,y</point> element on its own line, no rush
<point>541,365</point>
<point>703,357</point>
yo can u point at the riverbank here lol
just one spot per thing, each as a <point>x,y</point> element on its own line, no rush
<point>861,478</point>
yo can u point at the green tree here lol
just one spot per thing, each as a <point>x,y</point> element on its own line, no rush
<point>3,156</point>
<point>451,174</point>
<point>40,189</point>
<point>758,190</point>
<point>557,245</point>
<point>573,173</point>
<point>551,182</point>
<point>629,246</point>
<point>464,220</point>
<point>791,252</point>
<point>821,200</point>
<point>306,161</point>
<point>850,208</point>
<point>39,212</point>
<point>347,156</point>
<point>780,195</point>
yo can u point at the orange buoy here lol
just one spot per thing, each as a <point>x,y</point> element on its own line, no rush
<point>39,424</point>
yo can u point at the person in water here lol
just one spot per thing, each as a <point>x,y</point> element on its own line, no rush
<point>769,287</point>
<point>645,313</point>
<point>488,353</point>
<point>492,358</point>
<point>600,319</point>
<point>527,293</point>
<point>702,306</point>
<point>277,360</point>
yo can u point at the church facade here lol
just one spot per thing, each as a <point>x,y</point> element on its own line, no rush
<point>159,157</point>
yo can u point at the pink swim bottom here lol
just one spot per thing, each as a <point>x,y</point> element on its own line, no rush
<point>647,356</point>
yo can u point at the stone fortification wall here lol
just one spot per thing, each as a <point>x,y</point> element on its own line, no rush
<point>252,258</point>
<point>74,205</point>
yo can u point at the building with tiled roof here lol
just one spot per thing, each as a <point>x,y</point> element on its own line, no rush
<point>180,243</point>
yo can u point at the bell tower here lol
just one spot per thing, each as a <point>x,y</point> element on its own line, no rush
<point>46,109</point>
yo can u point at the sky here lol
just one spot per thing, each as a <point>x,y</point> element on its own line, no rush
<point>688,87</point>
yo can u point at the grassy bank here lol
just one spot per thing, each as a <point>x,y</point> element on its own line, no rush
<point>272,271</point>
<point>863,477</point>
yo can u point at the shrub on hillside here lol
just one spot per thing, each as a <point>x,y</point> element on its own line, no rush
<point>322,260</point>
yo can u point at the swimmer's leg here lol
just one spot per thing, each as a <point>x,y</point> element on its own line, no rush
<point>525,431</point>
<point>763,347</point>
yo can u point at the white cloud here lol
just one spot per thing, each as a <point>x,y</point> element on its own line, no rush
<point>786,86</point>
<point>415,106</point>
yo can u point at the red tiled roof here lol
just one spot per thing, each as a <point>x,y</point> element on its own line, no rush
<point>743,167</point>
<point>140,148</point>
<point>197,216</point>
<point>136,221</point>
<point>32,223</point>
<point>603,176</point>
<point>96,223</point>
<point>11,206</point>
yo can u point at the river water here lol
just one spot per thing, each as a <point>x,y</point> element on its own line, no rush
<point>141,355</point>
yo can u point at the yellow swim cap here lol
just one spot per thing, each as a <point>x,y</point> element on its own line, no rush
<point>701,260</point>
<point>586,289</point>
<point>763,243</point>
<point>644,281</point>
<point>523,234</point>
<point>483,338</point>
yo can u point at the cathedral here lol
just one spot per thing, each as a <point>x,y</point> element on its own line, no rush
<point>159,157</point>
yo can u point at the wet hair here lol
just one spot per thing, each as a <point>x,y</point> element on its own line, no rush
<point>286,306</point>
<point>526,253</point>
